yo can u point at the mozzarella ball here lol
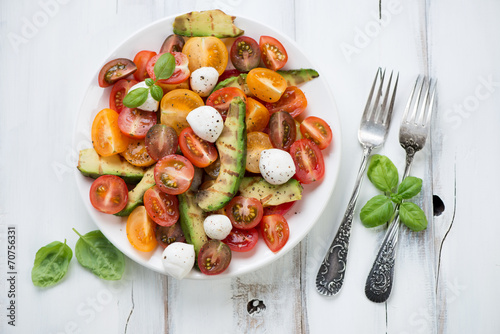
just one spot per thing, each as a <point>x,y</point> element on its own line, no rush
<point>206,122</point>
<point>151,104</point>
<point>178,259</point>
<point>276,166</point>
<point>217,226</point>
<point>203,80</point>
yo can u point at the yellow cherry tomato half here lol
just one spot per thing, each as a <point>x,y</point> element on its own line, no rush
<point>106,135</point>
<point>206,52</point>
<point>257,116</point>
<point>176,105</point>
<point>141,230</point>
<point>256,143</point>
<point>137,154</point>
<point>266,84</point>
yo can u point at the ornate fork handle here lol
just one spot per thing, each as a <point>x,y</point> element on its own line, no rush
<point>380,279</point>
<point>332,270</point>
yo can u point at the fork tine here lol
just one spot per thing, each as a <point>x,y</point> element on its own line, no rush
<point>368,111</point>
<point>384,104</point>
<point>391,106</point>
<point>376,108</point>
<point>423,107</point>
<point>410,99</point>
<point>416,100</point>
<point>386,113</point>
<point>431,103</point>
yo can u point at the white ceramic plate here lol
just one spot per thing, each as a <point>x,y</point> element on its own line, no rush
<point>303,215</point>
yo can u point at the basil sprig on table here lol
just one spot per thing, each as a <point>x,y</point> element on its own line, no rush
<point>380,209</point>
<point>51,264</point>
<point>93,251</point>
<point>163,69</point>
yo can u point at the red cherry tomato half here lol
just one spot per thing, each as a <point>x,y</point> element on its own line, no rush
<point>293,101</point>
<point>242,240</point>
<point>245,53</point>
<point>214,257</point>
<point>115,70</point>
<point>317,130</point>
<point>174,174</point>
<point>118,92</point>
<point>244,212</point>
<point>161,140</point>
<point>200,152</point>
<point>282,130</point>
<point>308,159</point>
<point>166,235</point>
<point>273,53</point>
<point>135,123</point>
<point>280,209</point>
<point>275,231</point>
<point>141,60</point>
<point>109,194</point>
<point>221,99</point>
<point>161,207</point>
<point>173,43</point>
<point>181,71</point>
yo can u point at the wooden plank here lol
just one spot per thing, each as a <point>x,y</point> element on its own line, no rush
<point>465,232</point>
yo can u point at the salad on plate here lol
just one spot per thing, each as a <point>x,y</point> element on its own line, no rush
<point>205,145</point>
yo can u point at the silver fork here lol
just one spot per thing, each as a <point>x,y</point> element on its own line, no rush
<point>371,134</point>
<point>412,137</point>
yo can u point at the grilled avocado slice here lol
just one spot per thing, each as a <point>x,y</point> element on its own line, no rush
<point>191,220</point>
<point>270,194</point>
<point>206,23</point>
<point>135,196</point>
<point>93,165</point>
<point>232,147</point>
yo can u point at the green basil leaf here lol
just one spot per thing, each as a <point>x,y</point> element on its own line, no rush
<point>93,251</point>
<point>377,211</point>
<point>412,216</point>
<point>396,198</point>
<point>410,187</point>
<point>150,82</point>
<point>156,92</point>
<point>51,264</point>
<point>136,97</point>
<point>165,66</point>
<point>382,173</point>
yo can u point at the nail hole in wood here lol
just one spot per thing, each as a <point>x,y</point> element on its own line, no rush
<point>438,205</point>
<point>255,307</point>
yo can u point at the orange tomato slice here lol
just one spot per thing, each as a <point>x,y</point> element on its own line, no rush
<point>176,105</point>
<point>266,84</point>
<point>141,230</point>
<point>257,116</point>
<point>137,154</point>
<point>106,135</point>
<point>256,143</point>
<point>206,51</point>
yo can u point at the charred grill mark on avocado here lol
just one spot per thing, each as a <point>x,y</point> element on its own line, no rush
<point>232,152</point>
<point>269,194</point>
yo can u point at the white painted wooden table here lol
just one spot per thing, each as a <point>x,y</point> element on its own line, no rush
<point>446,277</point>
